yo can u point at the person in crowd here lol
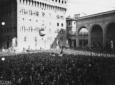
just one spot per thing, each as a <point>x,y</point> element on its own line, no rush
<point>45,69</point>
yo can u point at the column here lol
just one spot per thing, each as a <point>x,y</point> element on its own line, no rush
<point>104,36</point>
<point>77,41</point>
<point>89,39</point>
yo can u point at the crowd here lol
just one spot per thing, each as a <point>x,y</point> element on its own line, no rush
<point>52,69</point>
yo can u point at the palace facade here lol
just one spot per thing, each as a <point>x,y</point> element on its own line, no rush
<point>31,24</point>
<point>94,32</point>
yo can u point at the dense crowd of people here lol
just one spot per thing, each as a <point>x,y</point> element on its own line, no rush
<point>53,69</point>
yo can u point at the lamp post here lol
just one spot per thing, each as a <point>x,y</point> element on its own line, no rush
<point>3,23</point>
<point>3,59</point>
<point>3,67</point>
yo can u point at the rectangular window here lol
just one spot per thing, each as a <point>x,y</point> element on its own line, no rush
<point>62,24</point>
<point>57,24</point>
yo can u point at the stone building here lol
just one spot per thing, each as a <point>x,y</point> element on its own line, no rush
<point>93,32</point>
<point>71,32</point>
<point>31,24</point>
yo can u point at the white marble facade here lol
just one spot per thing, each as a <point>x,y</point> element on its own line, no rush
<point>38,22</point>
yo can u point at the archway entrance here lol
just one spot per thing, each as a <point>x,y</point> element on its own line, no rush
<point>97,38</point>
<point>83,37</point>
<point>72,43</point>
<point>5,42</point>
<point>110,37</point>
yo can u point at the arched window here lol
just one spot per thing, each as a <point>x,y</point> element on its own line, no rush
<point>83,32</point>
<point>110,37</point>
<point>83,37</point>
<point>96,37</point>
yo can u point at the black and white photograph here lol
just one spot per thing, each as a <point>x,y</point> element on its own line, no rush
<point>57,42</point>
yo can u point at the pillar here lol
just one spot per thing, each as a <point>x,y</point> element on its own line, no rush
<point>89,40</point>
<point>104,36</point>
<point>77,41</point>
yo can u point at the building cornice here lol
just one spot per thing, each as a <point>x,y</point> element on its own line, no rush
<point>97,15</point>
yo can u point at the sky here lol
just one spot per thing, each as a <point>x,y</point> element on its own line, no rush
<point>88,7</point>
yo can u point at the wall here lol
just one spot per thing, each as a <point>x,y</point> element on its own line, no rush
<point>33,16</point>
<point>8,17</point>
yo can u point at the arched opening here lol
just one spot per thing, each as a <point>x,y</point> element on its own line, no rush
<point>7,42</point>
<point>83,37</point>
<point>97,38</point>
<point>72,43</point>
<point>110,37</point>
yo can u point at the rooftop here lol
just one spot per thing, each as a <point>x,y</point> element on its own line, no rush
<point>98,14</point>
<point>93,15</point>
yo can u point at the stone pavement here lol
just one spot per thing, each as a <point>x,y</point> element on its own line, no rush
<point>87,53</point>
<point>65,51</point>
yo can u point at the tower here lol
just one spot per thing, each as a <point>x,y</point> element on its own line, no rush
<point>36,22</point>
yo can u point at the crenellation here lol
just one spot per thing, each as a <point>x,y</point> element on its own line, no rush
<point>40,15</point>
